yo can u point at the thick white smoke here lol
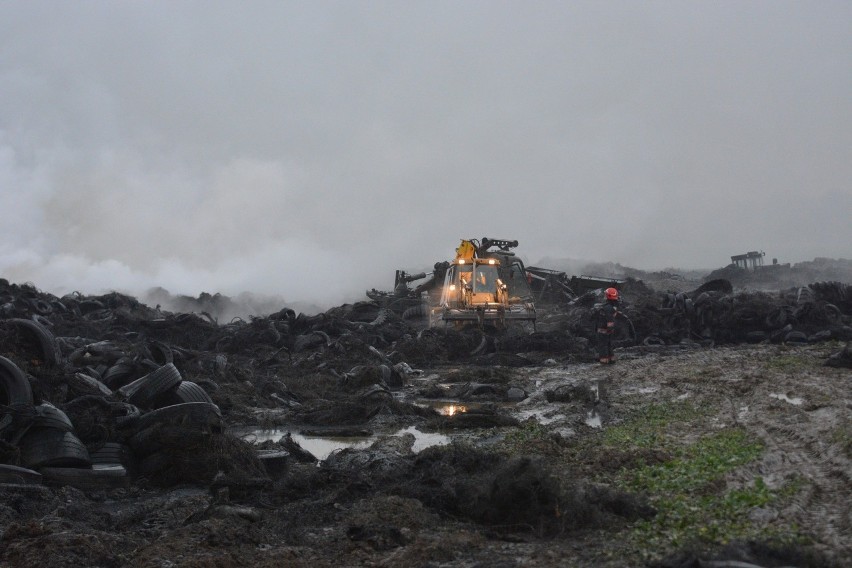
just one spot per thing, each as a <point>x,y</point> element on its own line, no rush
<point>307,150</point>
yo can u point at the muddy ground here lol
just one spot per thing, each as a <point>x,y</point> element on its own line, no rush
<point>678,455</point>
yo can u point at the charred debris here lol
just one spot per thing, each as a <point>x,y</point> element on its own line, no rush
<point>107,393</point>
<point>107,380</point>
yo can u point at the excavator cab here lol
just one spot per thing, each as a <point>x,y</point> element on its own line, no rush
<point>475,293</point>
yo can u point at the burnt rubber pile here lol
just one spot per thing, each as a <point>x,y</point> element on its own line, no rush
<point>96,390</point>
<point>116,419</point>
<point>715,314</point>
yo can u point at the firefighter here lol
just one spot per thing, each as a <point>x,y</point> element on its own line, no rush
<point>605,324</point>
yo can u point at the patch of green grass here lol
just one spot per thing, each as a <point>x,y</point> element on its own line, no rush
<point>531,437</point>
<point>842,436</point>
<point>789,363</point>
<point>650,426</point>
<point>688,489</point>
<point>691,501</point>
<point>697,465</point>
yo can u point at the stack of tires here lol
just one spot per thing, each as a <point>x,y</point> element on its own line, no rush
<point>162,417</point>
<point>45,437</point>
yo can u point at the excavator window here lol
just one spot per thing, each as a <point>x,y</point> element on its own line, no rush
<point>486,278</point>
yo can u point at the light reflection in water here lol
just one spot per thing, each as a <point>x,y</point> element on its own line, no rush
<point>321,447</point>
<point>452,409</point>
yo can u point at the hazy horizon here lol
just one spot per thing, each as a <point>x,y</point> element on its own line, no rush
<point>307,150</point>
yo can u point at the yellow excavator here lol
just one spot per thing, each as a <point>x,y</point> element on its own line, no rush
<point>485,287</point>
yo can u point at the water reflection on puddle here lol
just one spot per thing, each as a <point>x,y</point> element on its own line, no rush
<point>321,447</point>
<point>795,401</point>
<point>450,409</point>
<point>593,419</point>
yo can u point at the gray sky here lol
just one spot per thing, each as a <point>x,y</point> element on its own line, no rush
<point>308,149</point>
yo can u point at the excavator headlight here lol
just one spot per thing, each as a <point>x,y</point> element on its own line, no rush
<point>461,261</point>
<point>452,287</point>
<point>491,261</point>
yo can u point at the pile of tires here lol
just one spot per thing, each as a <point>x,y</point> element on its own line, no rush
<point>147,420</point>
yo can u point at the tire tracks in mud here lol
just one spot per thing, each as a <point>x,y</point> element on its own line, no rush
<point>801,414</point>
<point>822,506</point>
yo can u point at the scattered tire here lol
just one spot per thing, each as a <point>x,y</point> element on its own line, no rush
<point>113,453</point>
<point>415,312</point>
<point>161,353</point>
<point>197,414</point>
<point>832,313</point>
<point>15,389</point>
<point>481,347</point>
<point>757,336</point>
<point>83,384</point>
<point>120,374</point>
<point>274,461</point>
<point>795,337</point>
<point>823,335</point>
<point>40,307</point>
<point>15,474</point>
<point>46,340</point>
<point>186,391</point>
<point>142,392</point>
<point>49,447</point>
<point>778,335</point>
<point>381,317</point>
<point>48,416</point>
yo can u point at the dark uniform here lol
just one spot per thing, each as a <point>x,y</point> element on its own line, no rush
<point>605,324</point>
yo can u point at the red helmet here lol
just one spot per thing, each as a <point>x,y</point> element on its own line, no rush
<point>611,294</point>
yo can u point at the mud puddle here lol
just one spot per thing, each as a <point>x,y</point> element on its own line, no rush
<point>322,446</point>
<point>794,400</point>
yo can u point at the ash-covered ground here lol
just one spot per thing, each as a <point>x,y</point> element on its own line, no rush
<point>131,436</point>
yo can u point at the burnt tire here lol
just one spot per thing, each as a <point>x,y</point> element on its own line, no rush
<point>120,374</point>
<point>832,314</point>
<point>415,312</point>
<point>142,392</point>
<point>198,414</point>
<point>186,391</point>
<point>796,337</point>
<point>83,384</point>
<point>46,340</point>
<point>49,447</point>
<point>161,353</point>
<point>15,389</point>
<point>653,341</point>
<point>15,474</point>
<point>757,337</point>
<point>115,453</point>
<point>483,344</point>
<point>274,462</point>
<point>48,416</point>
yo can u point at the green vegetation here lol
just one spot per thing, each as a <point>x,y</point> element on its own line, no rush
<point>649,427</point>
<point>790,363</point>
<point>842,436</point>
<point>531,437</point>
<point>688,490</point>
